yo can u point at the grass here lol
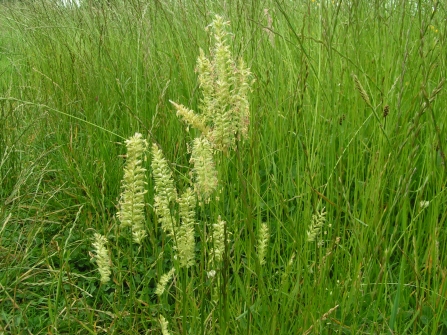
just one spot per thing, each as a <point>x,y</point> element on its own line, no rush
<point>347,113</point>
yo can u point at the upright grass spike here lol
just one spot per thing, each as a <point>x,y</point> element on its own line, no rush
<point>184,236</point>
<point>204,170</point>
<point>164,325</point>
<point>102,257</point>
<point>132,204</point>
<point>263,240</point>
<point>165,191</point>
<point>218,236</point>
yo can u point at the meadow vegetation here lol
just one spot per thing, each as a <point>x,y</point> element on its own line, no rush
<point>305,195</point>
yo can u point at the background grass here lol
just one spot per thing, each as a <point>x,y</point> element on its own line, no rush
<point>76,81</point>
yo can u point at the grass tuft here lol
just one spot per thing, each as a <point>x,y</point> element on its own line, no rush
<point>268,91</point>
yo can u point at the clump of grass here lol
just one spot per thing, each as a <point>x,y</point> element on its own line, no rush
<point>78,80</point>
<point>225,84</point>
<point>180,229</point>
<point>224,121</point>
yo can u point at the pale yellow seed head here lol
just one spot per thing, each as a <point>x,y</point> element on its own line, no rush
<point>316,225</point>
<point>204,171</point>
<point>102,257</point>
<point>161,286</point>
<point>263,240</point>
<point>132,204</point>
<point>165,191</point>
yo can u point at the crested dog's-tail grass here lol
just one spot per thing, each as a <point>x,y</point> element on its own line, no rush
<point>132,205</point>
<point>102,257</point>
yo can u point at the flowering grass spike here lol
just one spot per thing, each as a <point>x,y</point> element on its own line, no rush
<point>161,286</point>
<point>132,204</point>
<point>317,223</point>
<point>102,257</point>
<point>164,325</point>
<point>185,243</point>
<point>204,171</point>
<point>165,191</point>
<point>218,240</point>
<point>263,240</point>
<point>225,84</point>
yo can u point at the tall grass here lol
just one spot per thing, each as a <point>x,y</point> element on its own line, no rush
<point>347,119</point>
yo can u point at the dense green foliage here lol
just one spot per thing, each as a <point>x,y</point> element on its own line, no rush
<point>347,113</point>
